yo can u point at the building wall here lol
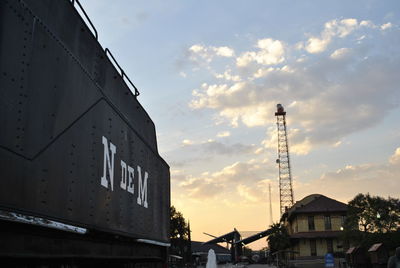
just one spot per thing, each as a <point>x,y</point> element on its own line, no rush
<point>303,247</point>
<point>300,223</point>
<point>336,243</point>
<point>337,222</point>
<point>322,248</point>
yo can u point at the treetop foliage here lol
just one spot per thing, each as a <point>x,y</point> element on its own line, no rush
<point>179,229</point>
<point>373,214</point>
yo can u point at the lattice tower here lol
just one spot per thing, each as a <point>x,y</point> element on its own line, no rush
<point>285,176</point>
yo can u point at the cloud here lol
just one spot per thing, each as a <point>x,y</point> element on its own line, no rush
<point>216,95</point>
<point>216,147</point>
<point>367,23</point>
<point>251,194</point>
<point>332,29</point>
<point>300,143</point>
<point>187,142</point>
<point>395,158</point>
<point>221,148</point>
<point>200,53</point>
<point>346,182</point>
<point>223,134</point>
<point>269,52</point>
<point>199,188</point>
<point>223,51</point>
<point>263,72</point>
<point>330,96</point>
<point>386,26</point>
<point>227,75</point>
<point>340,53</point>
<point>247,180</point>
<point>317,45</point>
<point>239,178</point>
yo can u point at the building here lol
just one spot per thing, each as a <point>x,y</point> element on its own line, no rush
<point>314,225</point>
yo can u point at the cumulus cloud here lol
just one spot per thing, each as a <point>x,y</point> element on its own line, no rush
<point>317,45</point>
<point>199,188</point>
<point>300,143</point>
<point>227,75</point>
<point>386,26</point>
<point>332,29</point>
<point>239,178</point>
<point>223,51</point>
<point>198,53</point>
<point>367,23</point>
<point>331,97</point>
<point>223,134</point>
<point>215,95</point>
<point>340,53</point>
<point>247,180</point>
<point>263,72</point>
<point>395,158</point>
<point>346,182</point>
<point>269,52</point>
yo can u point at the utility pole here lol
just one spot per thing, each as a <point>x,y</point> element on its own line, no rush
<point>270,206</point>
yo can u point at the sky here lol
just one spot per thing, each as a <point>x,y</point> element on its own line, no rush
<point>210,74</point>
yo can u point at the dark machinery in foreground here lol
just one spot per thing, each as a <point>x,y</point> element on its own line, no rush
<point>81,179</point>
<point>234,238</point>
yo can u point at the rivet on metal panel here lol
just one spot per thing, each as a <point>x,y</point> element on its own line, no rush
<point>86,16</point>
<point>123,75</point>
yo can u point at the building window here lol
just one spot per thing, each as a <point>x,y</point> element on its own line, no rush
<point>329,245</point>
<point>343,220</point>
<point>311,225</point>
<point>313,247</point>
<point>328,224</point>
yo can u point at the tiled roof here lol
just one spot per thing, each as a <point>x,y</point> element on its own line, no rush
<point>318,234</point>
<point>317,203</point>
<point>199,247</point>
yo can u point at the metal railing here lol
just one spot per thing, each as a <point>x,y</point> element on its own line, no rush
<point>122,72</point>
<point>106,50</point>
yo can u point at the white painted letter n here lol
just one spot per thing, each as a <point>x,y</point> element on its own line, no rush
<point>108,162</point>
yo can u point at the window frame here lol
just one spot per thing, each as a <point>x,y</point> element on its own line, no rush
<point>313,247</point>
<point>328,222</point>
<point>311,223</point>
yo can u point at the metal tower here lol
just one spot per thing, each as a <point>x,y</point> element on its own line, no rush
<point>285,175</point>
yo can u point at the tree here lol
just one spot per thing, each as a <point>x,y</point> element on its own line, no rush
<point>372,219</point>
<point>179,235</point>
<point>373,214</point>
<point>279,238</point>
<point>178,226</point>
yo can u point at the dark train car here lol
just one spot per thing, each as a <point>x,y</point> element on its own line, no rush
<point>81,179</point>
